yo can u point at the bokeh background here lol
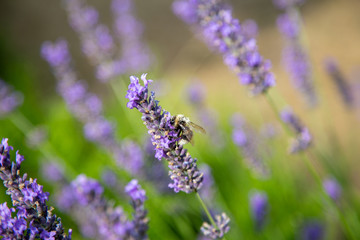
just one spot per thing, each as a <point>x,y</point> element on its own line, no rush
<point>332,29</point>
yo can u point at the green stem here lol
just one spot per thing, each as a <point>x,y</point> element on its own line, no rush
<point>308,158</point>
<point>25,126</point>
<point>120,96</point>
<point>212,221</point>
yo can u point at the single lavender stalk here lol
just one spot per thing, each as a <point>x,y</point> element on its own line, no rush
<point>337,76</point>
<point>97,217</point>
<point>9,99</point>
<point>295,56</point>
<point>246,138</point>
<point>166,138</point>
<point>332,189</point>
<point>184,173</point>
<point>224,33</point>
<point>87,107</point>
<point>219,230</point>
<point>129,31</point>
<point>312,230</point>
<point>34,219</point>
<point>140,221</point>
<point>303,138</point>
<point>259,208</point>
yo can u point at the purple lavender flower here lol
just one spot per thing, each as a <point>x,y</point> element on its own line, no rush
<point>9,99</point>
<point>343,87</point>
<point>33,218</point>
<point>87,107</point>
<point>259,208</point>
<point>312,230</point>
<point>100,47</point>
<point>207,190</point>
<point>86,203</point>
<point>249,142</point>
<point>196,93</point>
<point>140,221</point>
<point>215,232</point>
<point>295,57</point>
<point>303,137</point>
<point>250,28</point>
<point>97,43</point>
<point>52,172</point>
<point>165,137</point>
<point>225,34</point>
<point>332,188</point>
<point>129,31</point>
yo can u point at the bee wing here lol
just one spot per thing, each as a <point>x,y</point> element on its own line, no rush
<point>197,128</point>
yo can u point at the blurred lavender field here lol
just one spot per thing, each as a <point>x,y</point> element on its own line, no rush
<point>275,84</point>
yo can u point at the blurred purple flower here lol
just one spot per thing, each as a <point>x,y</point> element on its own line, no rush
<point>332,188</point>
<point>93,212</point>
<point>303,138</point>
<point>52,172</point>
<point>224,33</point>
<point>87,108</point>
<point>342,85</point>
<point>259,208</point>
<point>295,56</point>
<point>249,142</point>
<point>9,99</point>
<point>312,230</point>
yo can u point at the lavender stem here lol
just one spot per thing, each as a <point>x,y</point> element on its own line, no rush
<point>309,159</point>
<point>211,219</point>
<point>25,126</point>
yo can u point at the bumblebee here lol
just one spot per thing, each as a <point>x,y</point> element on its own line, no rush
<point>185,128</point>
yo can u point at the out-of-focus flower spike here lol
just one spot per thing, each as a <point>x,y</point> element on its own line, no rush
<point>341,83</point>
<point>332,188</point>
<point>259,208</point>
<point>9,99</point>
<point>99,218</point>
<point>249,142</point>
<point>224,33</point>
<point>295,57</point>
<point>303,138</point>
<point>87,108</point>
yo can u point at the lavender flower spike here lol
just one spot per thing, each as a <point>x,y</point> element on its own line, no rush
<point>140,221</point>
<point>259,208</point>
<point>303,137</point>
<point>34,219</point>
<point>225,34</point>
<point>295,56</point>
<point>332,188</point>
<point>99,218</point>
<point>9,99</point>
<point>183,172</point>
<point>215,232</point>
<point>337,76</point>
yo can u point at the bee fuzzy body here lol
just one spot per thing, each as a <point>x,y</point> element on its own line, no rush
<point>185,127</point>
